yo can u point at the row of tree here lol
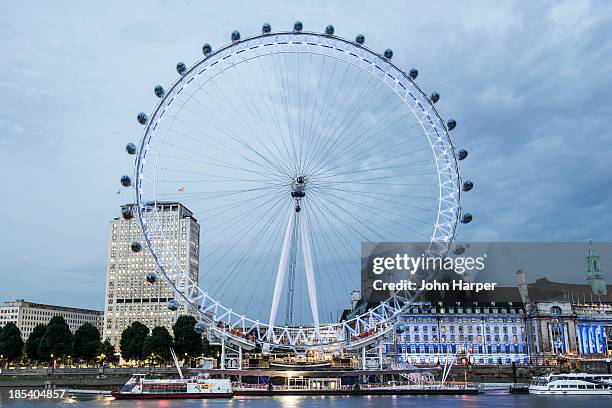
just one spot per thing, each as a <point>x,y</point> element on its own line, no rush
<point>138,343</point>
<point>55,341</point>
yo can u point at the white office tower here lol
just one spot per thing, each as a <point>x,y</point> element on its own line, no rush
<point>129,296</point>
<point>27,315</point>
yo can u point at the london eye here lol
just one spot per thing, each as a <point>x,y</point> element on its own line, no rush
<point>292,148</point>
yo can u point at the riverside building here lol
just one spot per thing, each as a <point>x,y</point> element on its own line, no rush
<point>594,329</point>
<point>27,315</point>
<point>128,296</point>
<point>543,322</point>
<point>490,333</point>
<point>502,333</point>
<point>569,330</point>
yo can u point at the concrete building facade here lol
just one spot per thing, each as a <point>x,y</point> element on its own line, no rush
<point>128,295</point>
<point>27,315</point>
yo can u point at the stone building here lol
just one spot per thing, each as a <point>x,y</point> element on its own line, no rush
<point>474,333</point>
<point>539,322</point>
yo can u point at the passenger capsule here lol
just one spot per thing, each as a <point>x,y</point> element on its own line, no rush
<point>127,213</point>
<point>298,26</point>
<point>159,91</point>
<point>206,49</point>
<point>126,181</point>
<point>388,53</point>
<point>467,218</point>
<point>462,154</point>
<point>235,36</point>
<point>467,185</point>
<point>266,28</point>
<point>173,305</point>
<point>414,73</point>
<point>130,148</point>
<point>459,249</point>
<point>425,306</point>
<point>136,246</point>
<point>181,68</point>
<point>360,39</point>
<point>151,277</point>
<point>199,327</point>
<point>451,124</point>
<point>435,97</point>
<point>329,30</point>
<point>142,118</point>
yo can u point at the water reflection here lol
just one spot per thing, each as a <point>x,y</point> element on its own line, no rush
<point>491,399</point>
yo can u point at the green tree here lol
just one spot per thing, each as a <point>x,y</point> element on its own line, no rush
<point>86,342</point>
<point>186,339</point>
<point>131,341</point>
<point>58,340</point>
<point>157,345</point>
<point>107,353</point>
<point>210,350</point>
<point>32,345</point>
<point>11,344</point>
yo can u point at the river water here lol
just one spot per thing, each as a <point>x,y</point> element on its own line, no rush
<point>490,399</point>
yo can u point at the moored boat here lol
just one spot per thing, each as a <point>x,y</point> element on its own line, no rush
<point>141,387</point>
<point>572,384</point>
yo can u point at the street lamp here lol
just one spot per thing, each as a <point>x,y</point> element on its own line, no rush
<point>102,359</point>
<point>52,363</point>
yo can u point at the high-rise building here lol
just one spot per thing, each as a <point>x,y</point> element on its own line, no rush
<point>27,315</point>
<point>129,297</point>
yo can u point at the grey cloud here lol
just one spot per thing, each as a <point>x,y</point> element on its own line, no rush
<point>528,83</point>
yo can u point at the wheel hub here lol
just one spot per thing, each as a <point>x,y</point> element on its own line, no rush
<point>298,191</point>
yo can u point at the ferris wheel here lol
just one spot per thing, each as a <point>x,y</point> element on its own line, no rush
<point>291,149</point>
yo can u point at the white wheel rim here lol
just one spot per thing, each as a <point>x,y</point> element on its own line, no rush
<point>212,311</point>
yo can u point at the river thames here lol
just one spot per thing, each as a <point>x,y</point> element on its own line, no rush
<point>490,399</point>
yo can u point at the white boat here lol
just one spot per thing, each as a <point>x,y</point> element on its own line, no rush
<point>140,387</point>
<point>572,384</point>
<point>196,386</point>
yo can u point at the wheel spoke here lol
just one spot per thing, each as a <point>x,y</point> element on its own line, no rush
<point>295,126</point>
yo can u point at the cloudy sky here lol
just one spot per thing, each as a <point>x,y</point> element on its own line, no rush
<point>529,85</point>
